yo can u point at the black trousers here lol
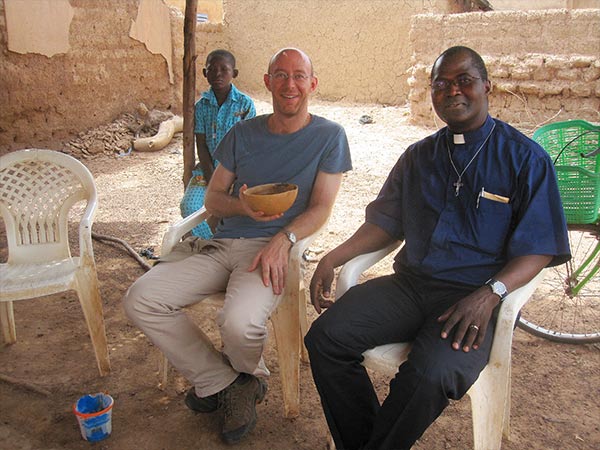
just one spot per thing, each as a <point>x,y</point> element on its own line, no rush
<point>395,308</point>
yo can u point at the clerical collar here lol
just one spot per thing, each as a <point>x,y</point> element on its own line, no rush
<point>471,137</point>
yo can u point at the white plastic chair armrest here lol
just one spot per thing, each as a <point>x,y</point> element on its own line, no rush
<point>507,317</point>
<point>294,276</point>
<point>176,231</point>
<point>86,250</point>
<point>514,301</point>
<point>303,244</point>
<point>352,270</point>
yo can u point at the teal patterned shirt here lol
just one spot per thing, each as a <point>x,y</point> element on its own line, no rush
<point>214,121</point>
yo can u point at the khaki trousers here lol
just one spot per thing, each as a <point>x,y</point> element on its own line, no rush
<point>156,300</point>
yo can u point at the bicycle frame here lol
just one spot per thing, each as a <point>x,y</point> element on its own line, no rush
<point>573,290</point>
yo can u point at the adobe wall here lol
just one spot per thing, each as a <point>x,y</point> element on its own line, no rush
<point>104,72</point>
<point>500,5</point>
<point>544,65</point>
<point>360,50</point>
<point>47,100</point>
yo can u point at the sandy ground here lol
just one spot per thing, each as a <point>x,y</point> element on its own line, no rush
<point>555,387</point>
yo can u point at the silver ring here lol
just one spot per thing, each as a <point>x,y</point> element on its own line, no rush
<point>475,327</point>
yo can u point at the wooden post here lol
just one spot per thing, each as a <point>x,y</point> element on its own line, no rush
<point>189,78</point>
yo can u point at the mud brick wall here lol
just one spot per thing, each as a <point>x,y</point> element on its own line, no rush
<point>544,65</point>
<point>360,49</point>
<point>45,100</point>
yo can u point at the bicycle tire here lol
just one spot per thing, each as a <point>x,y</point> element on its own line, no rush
<point>557,313</point>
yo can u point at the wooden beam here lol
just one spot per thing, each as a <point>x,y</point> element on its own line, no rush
<point>189,77</point>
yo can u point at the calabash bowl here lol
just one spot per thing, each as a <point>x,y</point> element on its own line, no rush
<point>272,198</point>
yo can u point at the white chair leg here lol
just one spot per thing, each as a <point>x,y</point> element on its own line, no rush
<point>286,323</point>
<point>7,322</point>
<point>330,443</point>
<point>91,303</point>
<point>488,405</point>
<point>303,323</point>
<point>163,371</point>
<point>507,405</point>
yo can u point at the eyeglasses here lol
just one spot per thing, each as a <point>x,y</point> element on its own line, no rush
<point>281,77</point>
<point>462,81</point>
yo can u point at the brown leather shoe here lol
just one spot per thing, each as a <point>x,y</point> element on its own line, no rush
<point>201,404</point>
<point>239,401</point>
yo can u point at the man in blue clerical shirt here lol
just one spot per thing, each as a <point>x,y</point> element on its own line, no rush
<point>478,208</point>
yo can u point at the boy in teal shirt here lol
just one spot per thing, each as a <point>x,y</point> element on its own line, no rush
<point>218,109</point>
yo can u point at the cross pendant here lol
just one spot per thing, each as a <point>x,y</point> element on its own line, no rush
<point>457,185</point>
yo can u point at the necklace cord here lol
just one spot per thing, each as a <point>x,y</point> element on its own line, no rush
<point>458,183</point>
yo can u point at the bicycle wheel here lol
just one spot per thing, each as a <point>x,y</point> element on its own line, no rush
<point>566,305</point>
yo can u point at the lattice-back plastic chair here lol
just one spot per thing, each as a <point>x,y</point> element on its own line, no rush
<point>573,146</point>
<point>490,395</point>
<point>289,319</point>
<point>38,188</point>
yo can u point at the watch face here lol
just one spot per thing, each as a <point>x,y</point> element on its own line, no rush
<point>291,236</point>
<point>498,288</point>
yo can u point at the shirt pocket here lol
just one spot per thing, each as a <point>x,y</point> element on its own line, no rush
<point>487,226</point>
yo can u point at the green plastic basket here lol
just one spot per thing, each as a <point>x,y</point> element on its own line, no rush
<point>578,177</point>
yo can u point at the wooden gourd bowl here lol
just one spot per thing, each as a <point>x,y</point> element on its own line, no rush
<point>272,198</point>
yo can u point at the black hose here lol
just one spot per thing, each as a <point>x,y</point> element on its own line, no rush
<point>130,250</point>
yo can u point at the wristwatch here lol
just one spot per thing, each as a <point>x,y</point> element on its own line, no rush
<point>498,288</point>
<point>291,236</point>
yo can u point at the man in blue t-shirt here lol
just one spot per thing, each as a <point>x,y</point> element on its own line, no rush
<point>478,208</point>
<point>248,255</point>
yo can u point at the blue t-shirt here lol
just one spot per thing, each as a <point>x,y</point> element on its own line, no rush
<point>468,238</point>
<point>214,121</point>
<point>257,156</point>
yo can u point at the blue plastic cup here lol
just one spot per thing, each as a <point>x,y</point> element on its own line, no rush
<point>94,413</point>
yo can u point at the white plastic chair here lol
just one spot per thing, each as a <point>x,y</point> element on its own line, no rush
<point>490,395</point>
<point>289,320</point>
<point>38,188</point>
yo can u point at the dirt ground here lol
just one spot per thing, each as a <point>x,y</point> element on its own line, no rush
<point>555,387</point>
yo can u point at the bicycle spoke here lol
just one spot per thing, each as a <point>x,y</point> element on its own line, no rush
<point>566,306</point>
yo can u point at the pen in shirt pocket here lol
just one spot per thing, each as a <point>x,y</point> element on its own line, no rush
<point>494,197</point>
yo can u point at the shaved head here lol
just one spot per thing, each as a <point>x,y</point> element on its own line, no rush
<point>285,51</point>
